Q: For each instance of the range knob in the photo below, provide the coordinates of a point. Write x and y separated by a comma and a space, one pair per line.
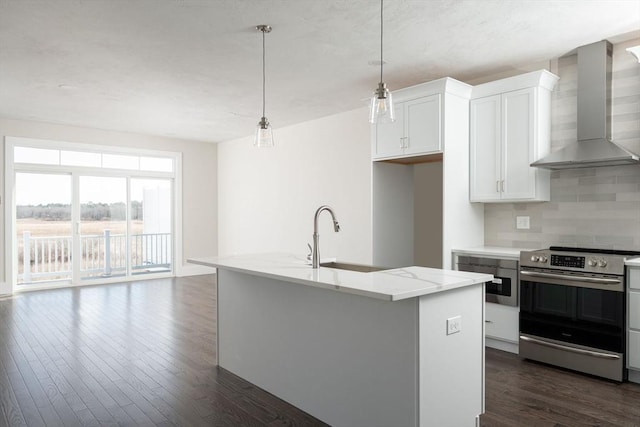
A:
602, 263
535, 258
543, 259
593, 262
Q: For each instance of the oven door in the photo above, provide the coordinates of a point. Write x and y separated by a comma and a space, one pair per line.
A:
587, 311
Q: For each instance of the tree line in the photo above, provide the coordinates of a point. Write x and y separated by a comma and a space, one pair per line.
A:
88, 211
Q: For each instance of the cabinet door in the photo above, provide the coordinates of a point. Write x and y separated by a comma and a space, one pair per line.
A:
423, 125
484, 159
518, 133
634, 310
634, 350
502, 322
634, 278
388, 141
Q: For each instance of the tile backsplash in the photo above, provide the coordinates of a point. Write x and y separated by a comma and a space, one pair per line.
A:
590, 207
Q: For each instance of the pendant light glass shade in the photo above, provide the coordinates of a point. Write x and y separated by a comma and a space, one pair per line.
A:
264, 132
381, 108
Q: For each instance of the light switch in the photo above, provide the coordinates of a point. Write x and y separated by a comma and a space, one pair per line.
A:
522, 222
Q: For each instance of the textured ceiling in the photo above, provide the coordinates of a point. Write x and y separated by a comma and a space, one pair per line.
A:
192, 69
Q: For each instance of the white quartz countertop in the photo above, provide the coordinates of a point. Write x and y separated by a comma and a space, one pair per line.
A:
633, 262
392, 285
492, 251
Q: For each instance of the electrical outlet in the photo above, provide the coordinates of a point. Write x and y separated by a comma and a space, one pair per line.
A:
522, 222
454, 325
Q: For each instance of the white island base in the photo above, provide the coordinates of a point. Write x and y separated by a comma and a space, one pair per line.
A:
355, 360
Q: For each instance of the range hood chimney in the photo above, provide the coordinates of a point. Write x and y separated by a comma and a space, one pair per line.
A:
594, 146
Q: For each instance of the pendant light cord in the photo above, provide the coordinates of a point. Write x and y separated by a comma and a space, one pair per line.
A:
381, 34
263, 74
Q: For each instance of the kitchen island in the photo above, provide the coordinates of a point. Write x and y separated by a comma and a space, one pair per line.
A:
399, 347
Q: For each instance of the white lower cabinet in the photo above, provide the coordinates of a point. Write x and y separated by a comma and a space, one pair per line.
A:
633, 316
634, 312
634, 349
502, 326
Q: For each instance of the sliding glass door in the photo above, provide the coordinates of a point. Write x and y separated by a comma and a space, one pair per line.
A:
43, 231
82, 213
102, 231
83, 227
151, 219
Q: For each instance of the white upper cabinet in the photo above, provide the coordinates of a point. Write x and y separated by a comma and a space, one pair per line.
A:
418, 129
388, 138
422, 125
510, 127
486, 162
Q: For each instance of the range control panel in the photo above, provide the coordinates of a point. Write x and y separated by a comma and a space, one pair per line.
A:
595, 263
568, 261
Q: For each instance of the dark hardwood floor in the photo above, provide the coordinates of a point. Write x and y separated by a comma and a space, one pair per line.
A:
128, 354
143, 353
524, 393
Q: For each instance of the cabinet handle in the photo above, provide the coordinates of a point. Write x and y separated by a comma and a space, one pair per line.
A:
497, 186
502, 185
406, 139
402, 142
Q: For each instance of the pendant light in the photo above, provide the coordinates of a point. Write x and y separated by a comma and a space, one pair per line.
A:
264, 132
381, 109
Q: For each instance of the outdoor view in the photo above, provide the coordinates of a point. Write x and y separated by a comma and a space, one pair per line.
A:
104, 249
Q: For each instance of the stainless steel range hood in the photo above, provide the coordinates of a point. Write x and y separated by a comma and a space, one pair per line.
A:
594, 146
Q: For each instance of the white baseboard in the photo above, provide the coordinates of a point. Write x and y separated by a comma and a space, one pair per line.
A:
5, 289
502, 345
194, 270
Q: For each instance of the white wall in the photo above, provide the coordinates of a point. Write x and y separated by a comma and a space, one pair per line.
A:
268, 197
199, 180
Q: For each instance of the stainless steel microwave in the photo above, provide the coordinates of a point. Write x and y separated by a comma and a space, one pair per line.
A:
503, 289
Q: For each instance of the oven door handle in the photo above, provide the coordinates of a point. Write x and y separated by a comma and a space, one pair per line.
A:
571, 278
570, 349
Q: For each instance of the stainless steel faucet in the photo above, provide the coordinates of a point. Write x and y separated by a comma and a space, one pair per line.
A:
315, 254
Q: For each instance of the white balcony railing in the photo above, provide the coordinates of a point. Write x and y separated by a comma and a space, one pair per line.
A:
50, 257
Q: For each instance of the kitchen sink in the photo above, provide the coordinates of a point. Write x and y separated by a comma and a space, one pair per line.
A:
362, 268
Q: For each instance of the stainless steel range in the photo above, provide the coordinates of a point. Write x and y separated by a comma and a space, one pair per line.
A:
572, 309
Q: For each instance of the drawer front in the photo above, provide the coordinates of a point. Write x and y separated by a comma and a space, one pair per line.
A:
502, 322
634, 350
634, 278
634, 310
